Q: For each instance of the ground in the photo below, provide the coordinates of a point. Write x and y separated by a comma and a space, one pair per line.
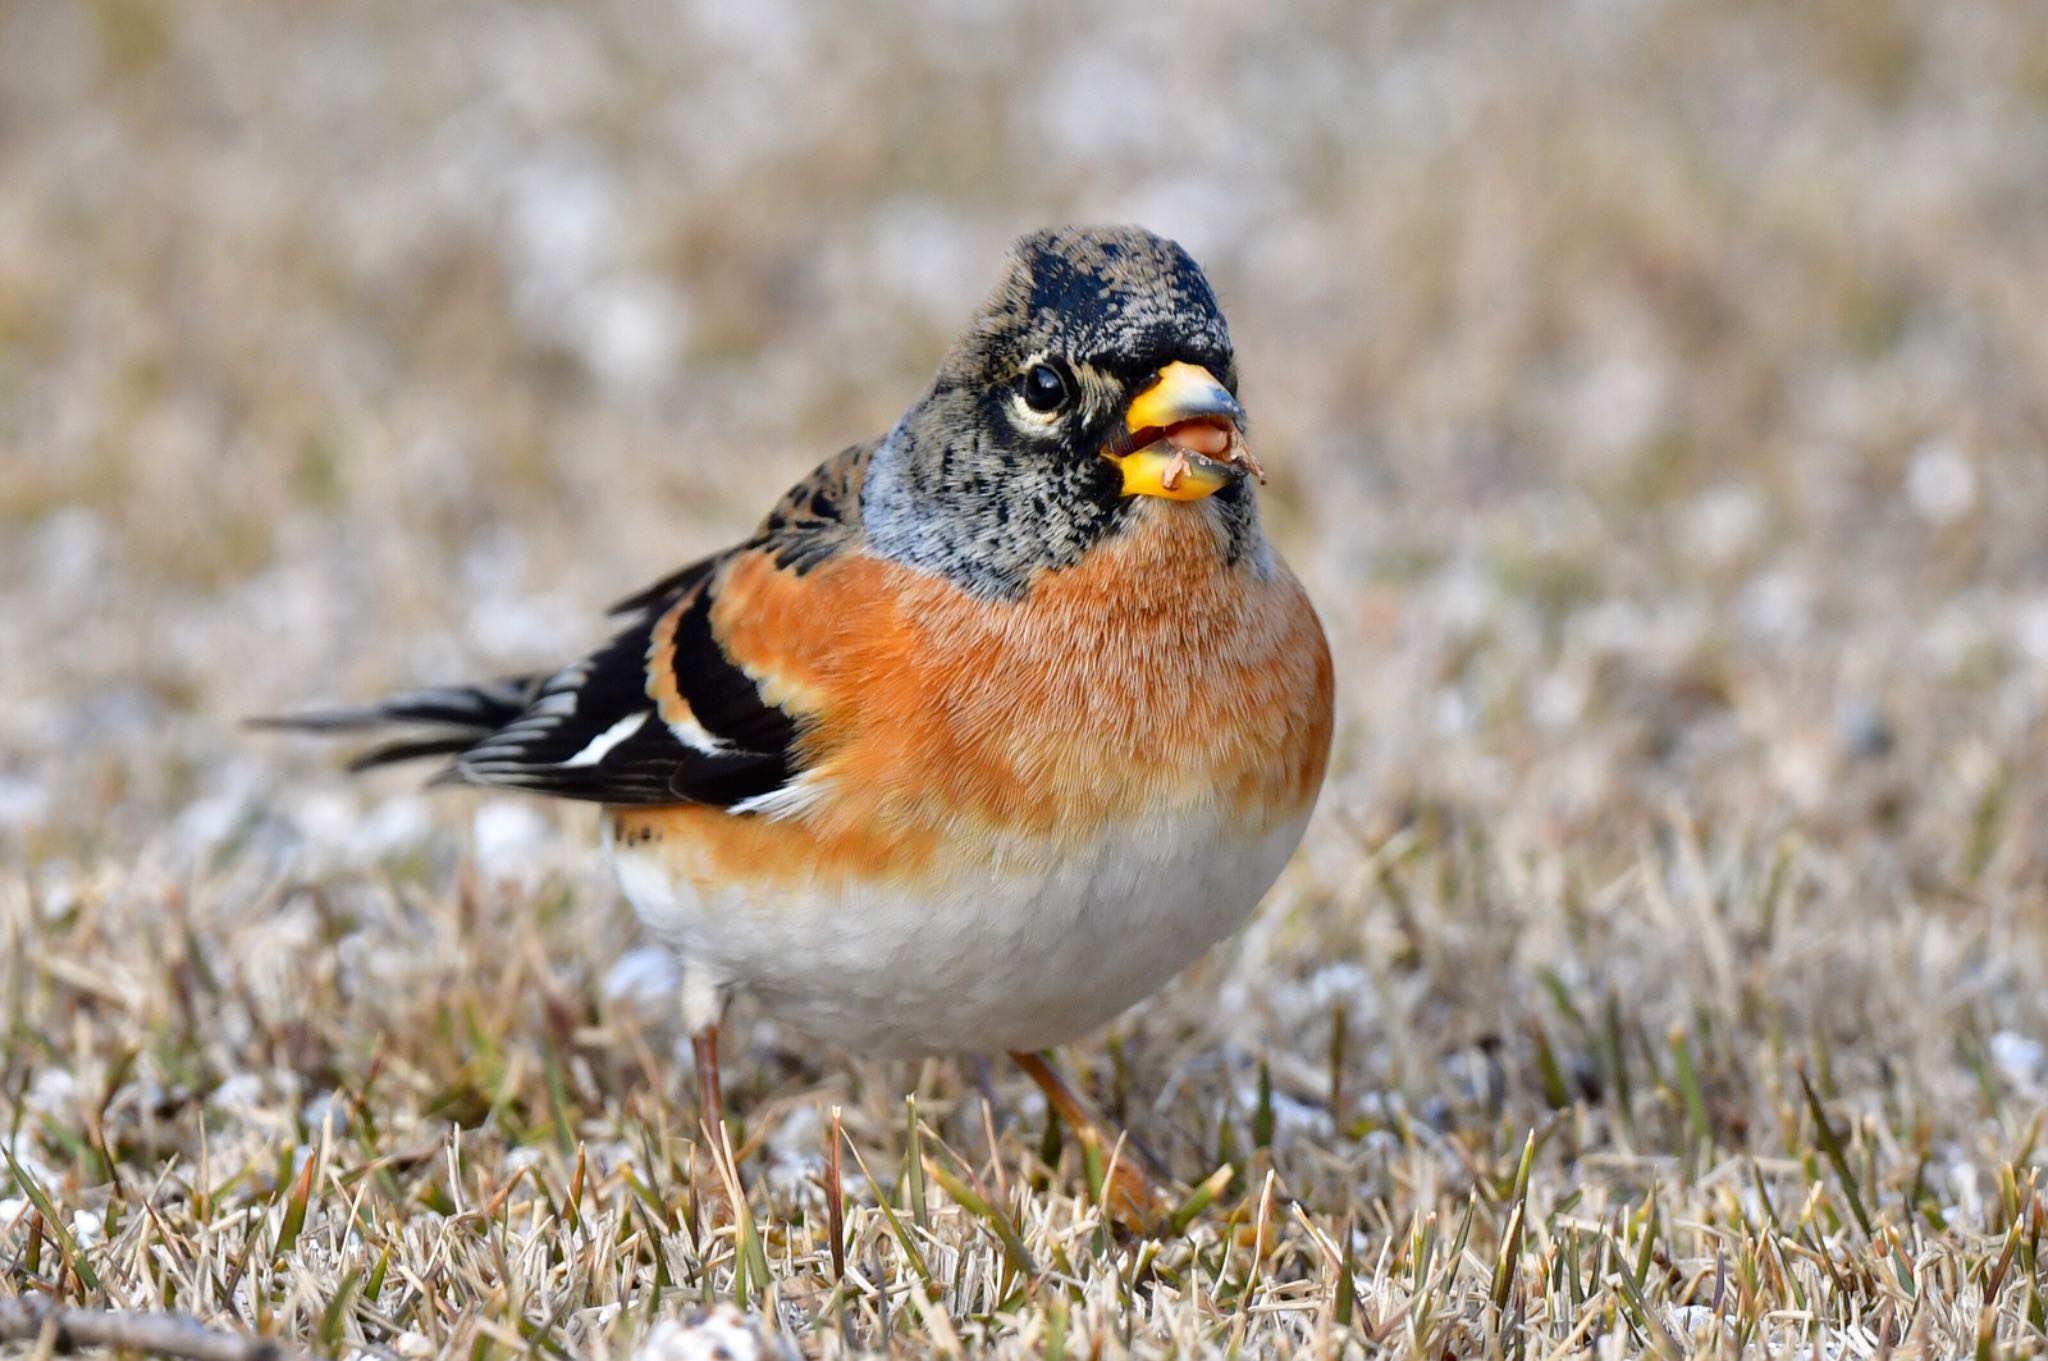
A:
1656, 402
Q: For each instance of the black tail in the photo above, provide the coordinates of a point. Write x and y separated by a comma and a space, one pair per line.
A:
448, 720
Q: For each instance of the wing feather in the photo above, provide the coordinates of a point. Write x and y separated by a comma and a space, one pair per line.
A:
660, 714
600, 729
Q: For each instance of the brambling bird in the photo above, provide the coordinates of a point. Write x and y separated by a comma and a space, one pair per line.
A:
992, 727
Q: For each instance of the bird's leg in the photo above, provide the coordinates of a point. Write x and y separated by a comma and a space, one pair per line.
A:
985, 1080
710, 1104
704, 999
1136, 1196
1065, 1101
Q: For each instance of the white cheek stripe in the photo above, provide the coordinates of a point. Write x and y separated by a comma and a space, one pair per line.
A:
601, 745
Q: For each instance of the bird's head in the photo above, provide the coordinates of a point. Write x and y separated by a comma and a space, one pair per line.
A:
1097, 376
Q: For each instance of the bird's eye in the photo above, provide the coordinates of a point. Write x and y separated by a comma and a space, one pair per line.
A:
1044, 388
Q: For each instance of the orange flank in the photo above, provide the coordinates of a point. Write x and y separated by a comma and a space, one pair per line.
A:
1152, 678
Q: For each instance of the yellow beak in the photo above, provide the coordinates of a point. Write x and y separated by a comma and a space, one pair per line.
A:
1154, 463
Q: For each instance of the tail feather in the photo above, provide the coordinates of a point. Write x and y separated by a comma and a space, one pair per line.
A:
396, 753
455, 717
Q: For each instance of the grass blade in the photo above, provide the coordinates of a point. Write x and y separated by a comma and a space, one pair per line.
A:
53, 1223
1832, 1146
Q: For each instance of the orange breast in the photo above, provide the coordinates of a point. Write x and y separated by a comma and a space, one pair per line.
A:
1150, 679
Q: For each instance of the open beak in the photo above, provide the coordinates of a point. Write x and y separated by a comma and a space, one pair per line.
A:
1181, 437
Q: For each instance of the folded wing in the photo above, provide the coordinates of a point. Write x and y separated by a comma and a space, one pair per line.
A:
661, 714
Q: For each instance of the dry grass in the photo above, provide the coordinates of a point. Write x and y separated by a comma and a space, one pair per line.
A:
1655, 400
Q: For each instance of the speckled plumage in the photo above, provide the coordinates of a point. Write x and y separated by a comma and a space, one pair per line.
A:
1113, 304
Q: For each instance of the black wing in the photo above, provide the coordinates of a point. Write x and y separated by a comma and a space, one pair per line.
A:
618, 728
633, 722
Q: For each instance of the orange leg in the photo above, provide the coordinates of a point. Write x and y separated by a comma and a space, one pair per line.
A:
1064, 1100
710, 1103
1137, 1196
712, 1197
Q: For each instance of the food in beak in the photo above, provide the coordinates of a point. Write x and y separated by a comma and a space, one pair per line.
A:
1200, 436
1214, 439
1182, 439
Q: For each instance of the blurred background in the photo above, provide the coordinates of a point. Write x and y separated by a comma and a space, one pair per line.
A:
1655, 397
1656, 394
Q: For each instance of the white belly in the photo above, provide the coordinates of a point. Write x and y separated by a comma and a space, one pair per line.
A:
1036, 952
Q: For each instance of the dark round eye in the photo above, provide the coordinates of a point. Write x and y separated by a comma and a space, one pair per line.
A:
1044, 387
